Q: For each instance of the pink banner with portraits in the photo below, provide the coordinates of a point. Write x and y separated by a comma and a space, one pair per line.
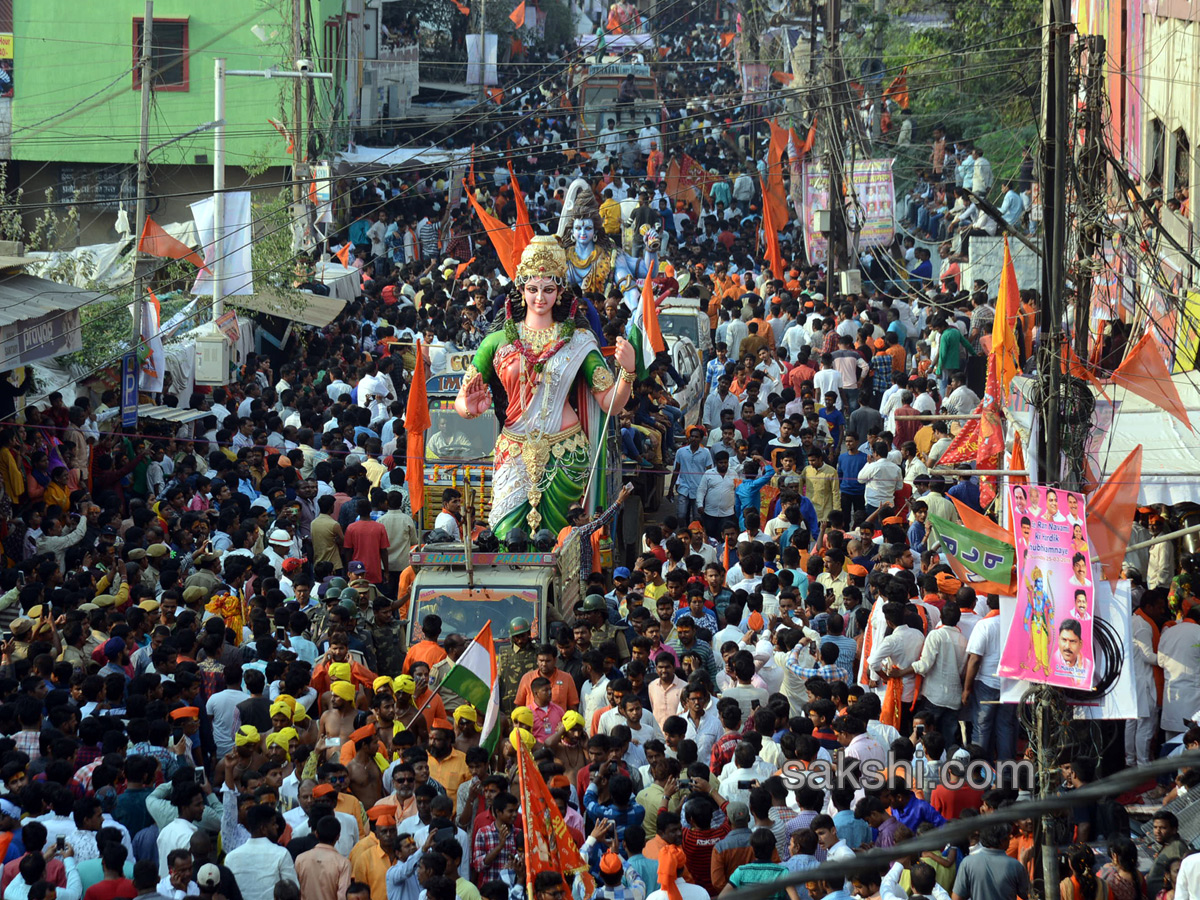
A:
1050, 639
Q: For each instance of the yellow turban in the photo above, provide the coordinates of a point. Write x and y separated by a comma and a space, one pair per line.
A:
279, 739
521, 736
339, 671
288, 735
467, 711
381, 681
288, 699
279, 708
572, 719
523, 715
299, 714
247, 734
405, 683
343, 689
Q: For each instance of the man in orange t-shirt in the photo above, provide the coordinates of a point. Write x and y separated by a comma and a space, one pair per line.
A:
426, 650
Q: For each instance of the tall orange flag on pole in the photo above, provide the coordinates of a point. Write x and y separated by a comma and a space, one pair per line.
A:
524, 231
772, 235
773, 194
1004, 326
518, 15
416, 422
548, 844
499, 233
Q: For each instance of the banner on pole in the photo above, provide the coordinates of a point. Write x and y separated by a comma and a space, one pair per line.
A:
874, 210
1050, 637
983, 557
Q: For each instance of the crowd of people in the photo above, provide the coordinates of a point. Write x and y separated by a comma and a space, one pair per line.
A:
205, 688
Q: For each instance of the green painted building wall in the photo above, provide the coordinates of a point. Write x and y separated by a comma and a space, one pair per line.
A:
76, 100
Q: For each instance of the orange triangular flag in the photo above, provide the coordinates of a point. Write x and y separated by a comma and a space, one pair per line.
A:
1110, 514
523, 233
517, 16
462, 267
898, 89
343, 255
416, 422
465, 10
783, 77
727, 38
496, 95
1072, 365
772, 235
499, 233
1145, 373
156, 242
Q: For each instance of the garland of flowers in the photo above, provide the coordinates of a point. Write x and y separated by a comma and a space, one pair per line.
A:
229, 608
537, 362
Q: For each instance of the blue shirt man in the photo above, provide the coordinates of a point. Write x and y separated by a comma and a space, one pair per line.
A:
849, 464
691, 462
748, 494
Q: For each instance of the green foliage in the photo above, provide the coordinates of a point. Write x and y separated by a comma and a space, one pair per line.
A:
559, 27
978, 76
51, 230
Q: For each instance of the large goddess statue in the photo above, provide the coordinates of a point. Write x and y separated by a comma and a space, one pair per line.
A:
593, 263
546, 363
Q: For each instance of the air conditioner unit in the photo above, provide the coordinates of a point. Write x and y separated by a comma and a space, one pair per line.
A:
212, 359
850, 281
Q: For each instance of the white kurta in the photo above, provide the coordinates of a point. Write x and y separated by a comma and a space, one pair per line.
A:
1179, 656
1144, 661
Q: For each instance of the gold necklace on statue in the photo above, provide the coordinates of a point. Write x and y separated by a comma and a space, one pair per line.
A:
538, 339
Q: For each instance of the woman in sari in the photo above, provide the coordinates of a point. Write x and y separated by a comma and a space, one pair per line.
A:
545, 371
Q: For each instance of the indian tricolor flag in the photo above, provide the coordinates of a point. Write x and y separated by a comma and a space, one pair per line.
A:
645, 335
475, 678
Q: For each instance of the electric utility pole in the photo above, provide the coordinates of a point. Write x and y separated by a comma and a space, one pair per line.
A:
1056, 124
835, 144
146, 74
1092, 188
297, 114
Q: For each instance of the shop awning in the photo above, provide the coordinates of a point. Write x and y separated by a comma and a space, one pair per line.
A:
171, 413
38, 318
303, 307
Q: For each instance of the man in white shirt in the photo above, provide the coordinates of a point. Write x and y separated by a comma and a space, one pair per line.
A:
222, 709
898, 650
720, 399
943, 657
961, 400
260, 863
828, 380
715, 499
447, 519
188, 799
881, 476
648, 136
995, 723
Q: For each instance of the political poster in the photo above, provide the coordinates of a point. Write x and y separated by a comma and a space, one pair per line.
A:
1050, 634
870, 205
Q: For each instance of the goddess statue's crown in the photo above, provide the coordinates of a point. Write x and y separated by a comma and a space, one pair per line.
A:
543, 257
